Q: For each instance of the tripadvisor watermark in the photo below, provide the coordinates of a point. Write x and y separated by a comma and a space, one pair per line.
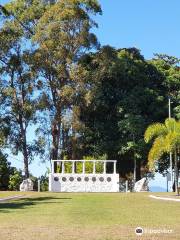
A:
141, 231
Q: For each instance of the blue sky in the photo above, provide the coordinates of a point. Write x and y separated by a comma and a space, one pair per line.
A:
152, 26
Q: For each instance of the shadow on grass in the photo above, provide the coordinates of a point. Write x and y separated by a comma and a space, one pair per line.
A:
23, 203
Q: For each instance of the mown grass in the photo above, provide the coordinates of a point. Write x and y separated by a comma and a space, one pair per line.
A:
87, 216
5, 194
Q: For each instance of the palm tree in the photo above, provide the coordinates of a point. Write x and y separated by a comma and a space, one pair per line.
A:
166, 140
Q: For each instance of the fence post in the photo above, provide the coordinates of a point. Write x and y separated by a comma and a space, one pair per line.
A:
126, 185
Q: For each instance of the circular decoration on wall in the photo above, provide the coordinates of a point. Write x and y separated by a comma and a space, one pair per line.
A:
86, 179
64, 179
56, 179
109, 179
101, 179
79, 179
93, 179
71, 179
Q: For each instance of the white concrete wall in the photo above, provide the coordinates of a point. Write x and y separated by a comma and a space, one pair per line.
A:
59, 182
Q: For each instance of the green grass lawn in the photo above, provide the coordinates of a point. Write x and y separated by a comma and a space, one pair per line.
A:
9, 194
101, 216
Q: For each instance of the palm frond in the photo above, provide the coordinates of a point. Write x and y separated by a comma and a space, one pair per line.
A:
166, 139
171, 124
155, 130
172, 141
156, 152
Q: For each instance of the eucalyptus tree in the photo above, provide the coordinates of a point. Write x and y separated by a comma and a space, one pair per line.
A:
17, 86
166, 139
59, 32
62, 34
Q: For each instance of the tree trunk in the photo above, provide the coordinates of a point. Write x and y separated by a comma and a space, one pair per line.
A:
176, 172
138, 170
55, 142
74, 147
25, 152
135, 167
62, 142
26, 165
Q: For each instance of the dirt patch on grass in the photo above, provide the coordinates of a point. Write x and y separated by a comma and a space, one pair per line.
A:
65, 233
79, 233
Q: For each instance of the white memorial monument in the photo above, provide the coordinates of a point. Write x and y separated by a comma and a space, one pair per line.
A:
26, 185
141, 185
83, 182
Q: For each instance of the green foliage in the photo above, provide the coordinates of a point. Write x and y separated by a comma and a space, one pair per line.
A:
35, 182
15, 180
99, 165
89, 165
125, 95
166, 139
80, 104
44, 182
5, 172
2, 138
79, 165
62, 34
154, 131
18, 78
68, 167
168, 66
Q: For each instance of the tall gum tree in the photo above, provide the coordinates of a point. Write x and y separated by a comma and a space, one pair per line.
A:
17, 85
63, 33
60, 32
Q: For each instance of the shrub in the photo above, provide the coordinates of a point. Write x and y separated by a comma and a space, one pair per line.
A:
44, 183
5, 172
15, 180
